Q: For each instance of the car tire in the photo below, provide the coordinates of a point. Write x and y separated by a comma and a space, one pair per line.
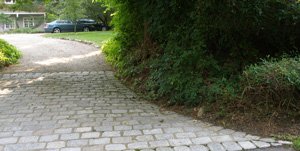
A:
56, 30
86, 29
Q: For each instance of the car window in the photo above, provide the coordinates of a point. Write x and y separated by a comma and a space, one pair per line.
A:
60, 21
86, 21
68, 22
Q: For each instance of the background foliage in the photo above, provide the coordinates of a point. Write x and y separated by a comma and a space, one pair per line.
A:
73, 10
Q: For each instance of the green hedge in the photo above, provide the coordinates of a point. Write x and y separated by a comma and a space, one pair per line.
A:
25, 30
8, 54
192, 52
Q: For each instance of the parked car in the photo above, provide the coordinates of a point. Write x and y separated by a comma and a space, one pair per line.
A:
85, 25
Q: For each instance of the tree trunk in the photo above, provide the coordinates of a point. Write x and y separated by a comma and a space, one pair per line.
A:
75, 28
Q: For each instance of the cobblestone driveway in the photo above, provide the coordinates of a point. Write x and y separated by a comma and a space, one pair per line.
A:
92, 111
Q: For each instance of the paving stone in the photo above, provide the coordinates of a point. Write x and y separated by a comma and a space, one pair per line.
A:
285, 142
201, 140
6, 134
261, 144
49, 138
161, 143
8, 140
122, 128
99, 141
71, 149
69, 136
153, 131
180, 142
232, 146
23, 133
268, 140
76, 143
54, 145
142, 127
215, 147
132, 133
43, 132
146, 150
164, 149
182, 148
63, 131
122, 140
103, 128
27, 146
276, 144
226, 131
93, 148
138, 145
90, 135
83, 129
145, 138
252, 137
240, 139
185, 135
173, 130
198, 148
28, 139
239, 134
223, 138
115, 147
247, 145
111, 134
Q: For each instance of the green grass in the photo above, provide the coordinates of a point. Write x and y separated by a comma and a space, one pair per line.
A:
297, 144
98, 37
291, 138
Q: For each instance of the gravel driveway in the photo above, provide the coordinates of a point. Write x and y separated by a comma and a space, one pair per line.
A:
42, 54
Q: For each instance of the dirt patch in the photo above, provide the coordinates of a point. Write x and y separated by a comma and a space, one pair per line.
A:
247, 122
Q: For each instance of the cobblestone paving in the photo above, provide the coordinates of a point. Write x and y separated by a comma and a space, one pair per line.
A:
92, 111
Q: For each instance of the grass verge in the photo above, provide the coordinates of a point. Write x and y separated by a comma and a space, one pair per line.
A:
297, 144
97, 37
291, 138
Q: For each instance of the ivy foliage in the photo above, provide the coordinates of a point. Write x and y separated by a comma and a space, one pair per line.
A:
192, 52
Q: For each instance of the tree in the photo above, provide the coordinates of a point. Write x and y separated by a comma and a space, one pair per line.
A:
97, 11
4, 19
28, 5
72, 11
53, 9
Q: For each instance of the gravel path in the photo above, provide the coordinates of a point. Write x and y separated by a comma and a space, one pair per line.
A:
62, 97
53, 55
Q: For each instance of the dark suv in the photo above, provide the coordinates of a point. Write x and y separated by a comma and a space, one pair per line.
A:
86, 25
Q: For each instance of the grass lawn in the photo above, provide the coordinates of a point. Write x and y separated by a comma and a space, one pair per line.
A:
97, 37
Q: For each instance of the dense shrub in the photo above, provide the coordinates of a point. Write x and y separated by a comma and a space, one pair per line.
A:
273, 85
191, 52
8, 54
